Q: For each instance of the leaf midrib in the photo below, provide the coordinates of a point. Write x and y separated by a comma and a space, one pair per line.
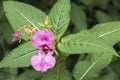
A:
16, 58
59, 15
27, 19
25, 54
90, 67
108, 33
89, 44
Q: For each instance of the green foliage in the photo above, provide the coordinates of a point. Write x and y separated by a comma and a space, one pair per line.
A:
84, 43
94, 45
86, 2
102, 17
110, 32
20, 14
3, 74
19, 57
90, 67
78, 17
29, 75
7, 34
111, 75
114, 13
8, 74
91, 3
58, 73
59, 17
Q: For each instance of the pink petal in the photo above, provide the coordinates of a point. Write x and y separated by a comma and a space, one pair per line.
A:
42, 63
50, 61
35, 62
43, 37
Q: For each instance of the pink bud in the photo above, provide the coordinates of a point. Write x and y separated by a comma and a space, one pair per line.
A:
17, 36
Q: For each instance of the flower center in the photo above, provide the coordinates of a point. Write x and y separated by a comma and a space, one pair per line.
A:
46, 49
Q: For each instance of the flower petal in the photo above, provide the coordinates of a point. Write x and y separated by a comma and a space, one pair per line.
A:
42, 37
35, 62
42, 63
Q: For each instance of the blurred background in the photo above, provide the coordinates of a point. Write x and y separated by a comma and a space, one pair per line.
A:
84, 15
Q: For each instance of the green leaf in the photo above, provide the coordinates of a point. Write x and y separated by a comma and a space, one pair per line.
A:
107, 74
4, 74
20, 14
110, 32
102, 17
59, 17
111, 75
113, 13
90, 67
87, 2
19, 57
6, 31
1, 11
58, 73
78, 17
29, 75
84, 43
101, 3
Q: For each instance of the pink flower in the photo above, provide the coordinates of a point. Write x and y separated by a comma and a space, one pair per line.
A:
17, 36
43, 38
42, 63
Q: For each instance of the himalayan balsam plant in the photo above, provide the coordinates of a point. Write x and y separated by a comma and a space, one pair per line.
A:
45, 48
